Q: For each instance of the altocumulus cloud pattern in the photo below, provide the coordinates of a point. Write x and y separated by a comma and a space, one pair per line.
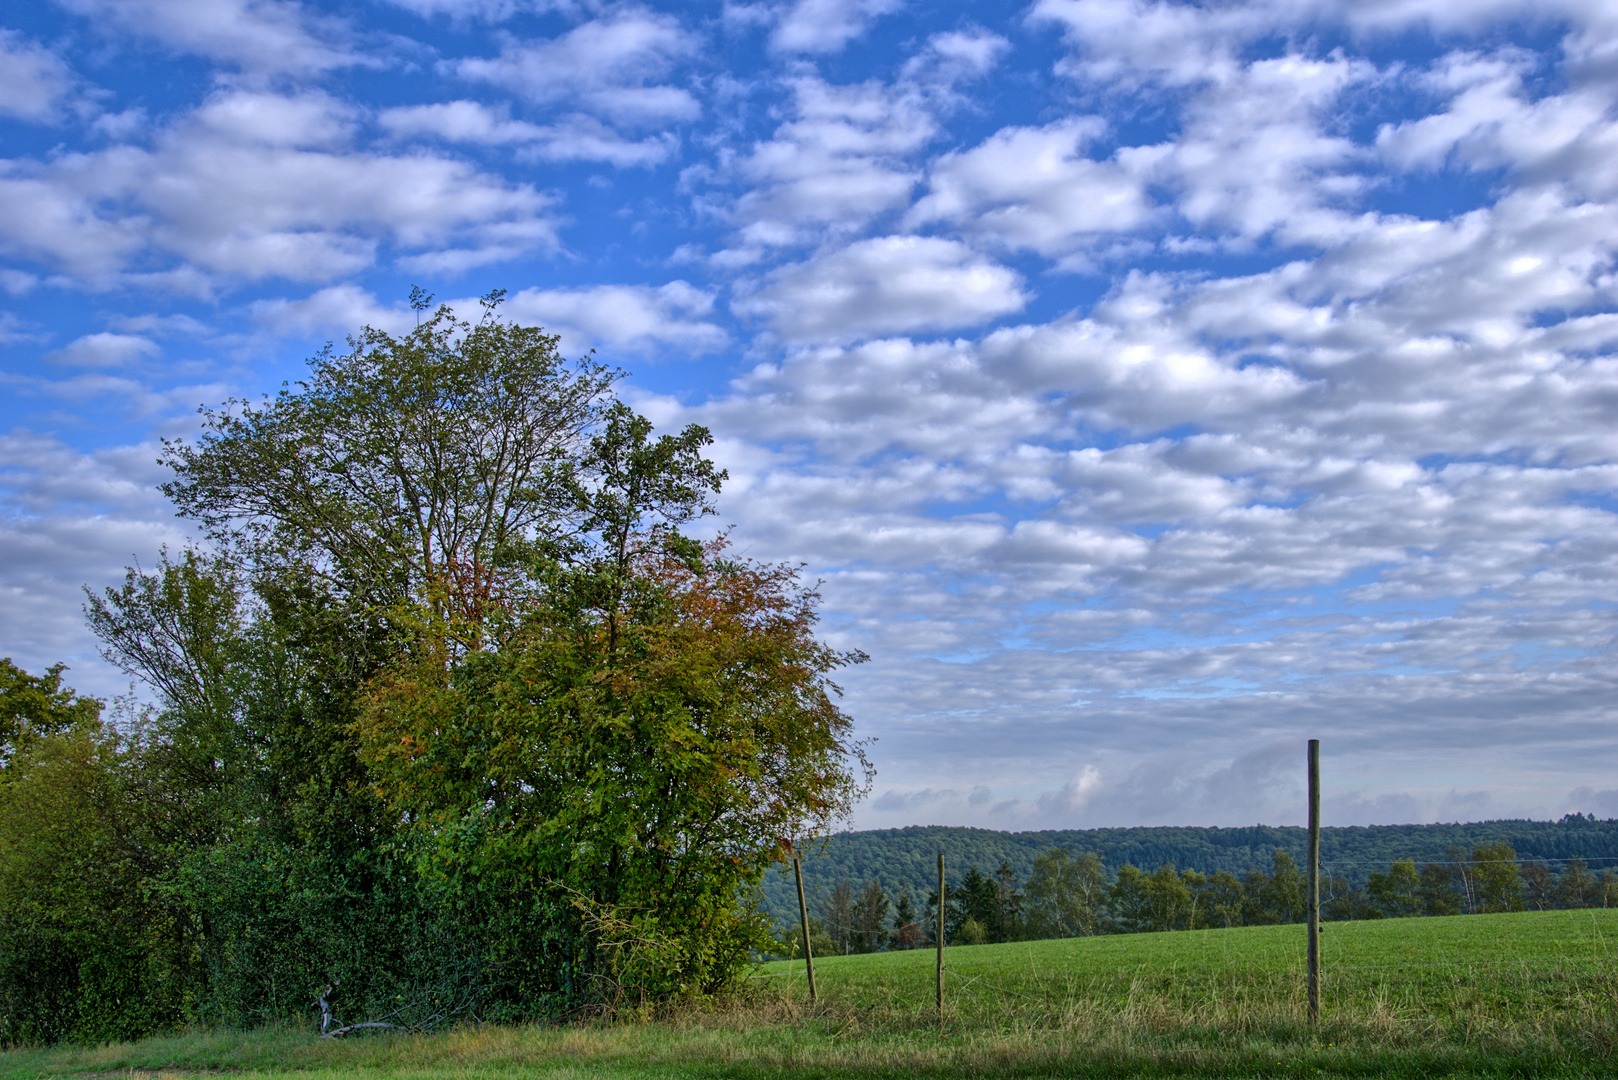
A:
1152, 385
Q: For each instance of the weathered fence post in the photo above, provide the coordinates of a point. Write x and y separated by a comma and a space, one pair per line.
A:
940, 986
803, 920
1314, 881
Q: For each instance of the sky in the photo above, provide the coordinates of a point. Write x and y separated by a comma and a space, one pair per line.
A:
1150, 386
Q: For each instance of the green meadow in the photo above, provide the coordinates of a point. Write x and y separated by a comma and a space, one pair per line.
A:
1528, 994
1417, 975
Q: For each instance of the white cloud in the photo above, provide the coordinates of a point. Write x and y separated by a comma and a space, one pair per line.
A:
1033, 188
175, 325
257, 36
626, 318
1443, 16
459, 121
1256, 156
846, 155
956, 56
633, 318
33, 80
1587, 800
1260, 785
41, 218
837, 164
69, 519
338, 309
1490, 123
886, 285
256, 185
824, 26
307, 120
575, 138
120, 126
487, 10
1143, 483
1261, 149
17, 282
104, 350
13, 329
583, 138
1122, 41
1303, 470
605, 66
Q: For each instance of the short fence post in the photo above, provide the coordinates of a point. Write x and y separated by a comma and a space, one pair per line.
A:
940, 986
1314, 881
803, 920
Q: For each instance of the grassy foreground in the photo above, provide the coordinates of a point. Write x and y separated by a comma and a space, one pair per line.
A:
1532, 994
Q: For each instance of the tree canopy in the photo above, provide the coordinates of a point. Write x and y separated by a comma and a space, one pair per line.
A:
453, 718
439, 459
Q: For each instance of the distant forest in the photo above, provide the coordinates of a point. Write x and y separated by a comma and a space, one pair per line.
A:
905, 861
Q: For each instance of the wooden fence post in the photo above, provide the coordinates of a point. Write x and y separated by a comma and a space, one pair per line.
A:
940, 984
1314, 881
803, 920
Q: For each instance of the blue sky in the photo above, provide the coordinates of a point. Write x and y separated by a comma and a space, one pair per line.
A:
1153, 386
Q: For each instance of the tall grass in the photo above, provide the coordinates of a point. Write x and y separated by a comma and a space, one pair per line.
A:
1471, 996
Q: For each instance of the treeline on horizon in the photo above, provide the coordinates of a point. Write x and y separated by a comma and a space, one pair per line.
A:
1068, 895
903, 862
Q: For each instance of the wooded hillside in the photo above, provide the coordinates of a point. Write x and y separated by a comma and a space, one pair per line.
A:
901, 859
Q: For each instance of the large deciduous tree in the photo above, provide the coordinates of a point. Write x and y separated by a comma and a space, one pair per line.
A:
1499, 882
644, 766
450, 672
1065, 895
1397, 893
408, 468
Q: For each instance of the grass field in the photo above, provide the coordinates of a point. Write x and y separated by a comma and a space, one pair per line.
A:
1406, 975
1532, 994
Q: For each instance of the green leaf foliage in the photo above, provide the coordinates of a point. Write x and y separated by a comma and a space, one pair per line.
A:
444, 457
644, 770
37, 706
452, 719
89, 949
